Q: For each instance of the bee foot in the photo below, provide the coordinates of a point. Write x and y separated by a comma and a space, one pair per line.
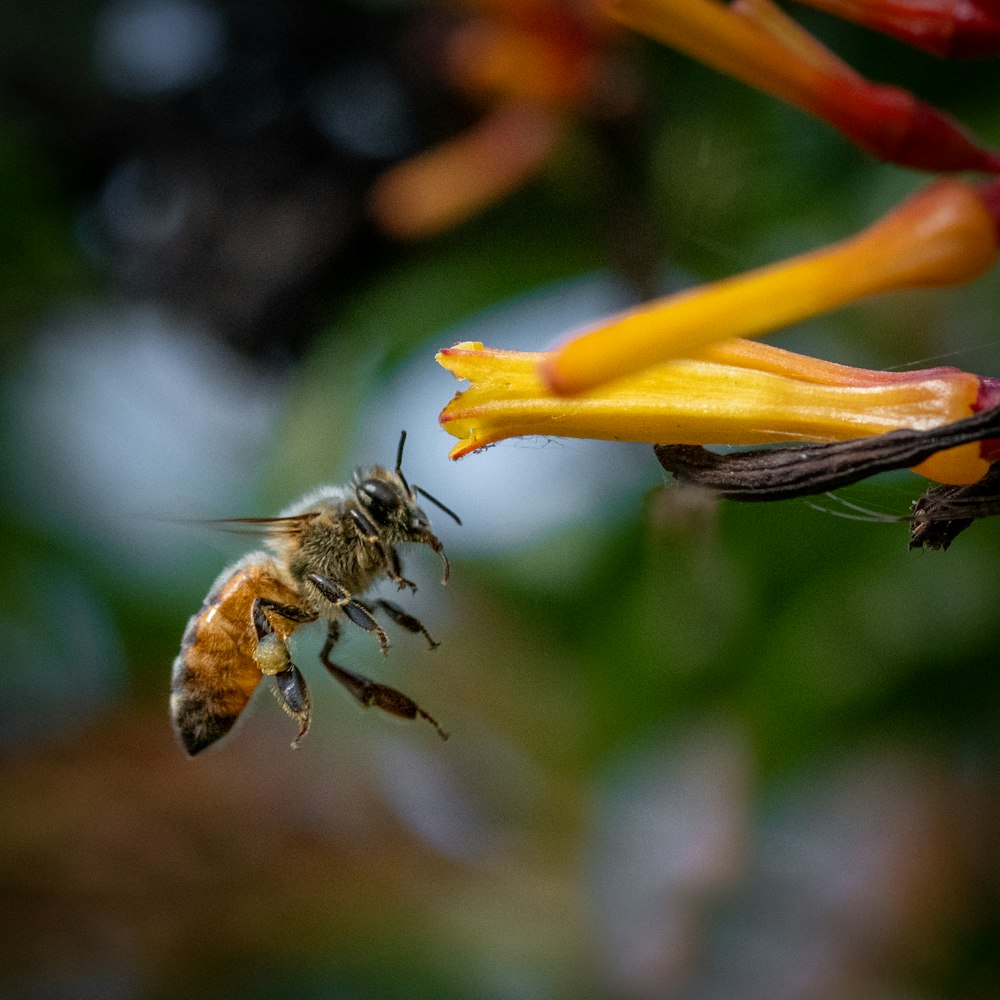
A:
297, 742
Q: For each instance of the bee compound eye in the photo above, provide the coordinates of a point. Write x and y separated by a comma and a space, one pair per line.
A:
379, 498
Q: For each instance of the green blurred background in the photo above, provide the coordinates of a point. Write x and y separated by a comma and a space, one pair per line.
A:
698, 751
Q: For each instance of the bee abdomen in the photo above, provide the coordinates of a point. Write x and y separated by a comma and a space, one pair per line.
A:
212, 680
201, 713
215, 673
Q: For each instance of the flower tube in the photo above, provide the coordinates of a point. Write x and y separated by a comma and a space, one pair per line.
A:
754, 41
945, 234
546, 53
739, 393
949, 28
453, 181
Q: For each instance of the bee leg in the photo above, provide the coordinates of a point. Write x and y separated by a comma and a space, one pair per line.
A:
293, 696
271, 655
271, 652
407, 621
435, 543
355, 610
393, 567
370, 693
332, 638
394, 570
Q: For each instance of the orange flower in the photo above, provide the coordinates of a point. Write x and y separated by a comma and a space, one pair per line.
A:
547, 52
754, 41
944, 27
531, 64
452, 182
945, 234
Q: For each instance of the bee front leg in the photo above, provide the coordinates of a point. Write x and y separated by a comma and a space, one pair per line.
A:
393, 567
271, 655
370, 693
394, 570
355, 610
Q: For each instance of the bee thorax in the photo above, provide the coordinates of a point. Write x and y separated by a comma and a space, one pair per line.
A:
341, 556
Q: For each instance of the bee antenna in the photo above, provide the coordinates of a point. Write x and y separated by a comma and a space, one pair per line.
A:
399, 449
417, 489
399, 462
437, 503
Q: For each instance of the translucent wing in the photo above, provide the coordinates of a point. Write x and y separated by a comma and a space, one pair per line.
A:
256, 526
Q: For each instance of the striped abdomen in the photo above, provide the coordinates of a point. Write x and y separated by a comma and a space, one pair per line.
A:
215, 673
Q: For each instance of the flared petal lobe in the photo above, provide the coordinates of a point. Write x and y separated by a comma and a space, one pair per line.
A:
739, 393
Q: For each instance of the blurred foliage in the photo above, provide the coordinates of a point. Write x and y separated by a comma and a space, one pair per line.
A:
699, 749
37, 254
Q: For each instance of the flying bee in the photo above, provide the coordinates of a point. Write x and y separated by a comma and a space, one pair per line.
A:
324, 552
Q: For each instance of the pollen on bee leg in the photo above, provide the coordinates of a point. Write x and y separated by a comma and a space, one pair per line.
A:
271, 654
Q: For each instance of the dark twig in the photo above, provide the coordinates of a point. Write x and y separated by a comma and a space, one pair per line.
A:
804, 470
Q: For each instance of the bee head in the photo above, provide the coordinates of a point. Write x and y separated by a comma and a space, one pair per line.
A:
391, 503
387, 501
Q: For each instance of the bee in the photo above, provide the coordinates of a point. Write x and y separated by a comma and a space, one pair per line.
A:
324, 552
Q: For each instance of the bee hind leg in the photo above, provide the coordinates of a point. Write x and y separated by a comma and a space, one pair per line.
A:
370, 693
271, 655
293, 695
271, 651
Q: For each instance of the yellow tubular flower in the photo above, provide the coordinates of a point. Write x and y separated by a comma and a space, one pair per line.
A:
945, 234
738, 393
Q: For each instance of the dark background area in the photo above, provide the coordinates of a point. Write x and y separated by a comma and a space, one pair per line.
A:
698, 750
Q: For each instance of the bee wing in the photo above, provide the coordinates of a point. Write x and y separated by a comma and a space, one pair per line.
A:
257, 526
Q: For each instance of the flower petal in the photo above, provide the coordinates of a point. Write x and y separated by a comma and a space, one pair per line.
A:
946, 233
776, 397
